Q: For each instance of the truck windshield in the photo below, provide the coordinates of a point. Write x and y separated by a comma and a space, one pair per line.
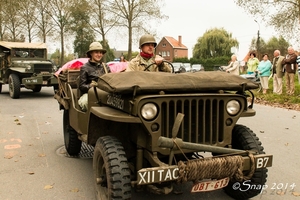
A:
28, 53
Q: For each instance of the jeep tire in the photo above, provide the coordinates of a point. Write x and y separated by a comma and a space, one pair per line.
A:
243, 138
111, 170
0, 87
14, 86
72, 143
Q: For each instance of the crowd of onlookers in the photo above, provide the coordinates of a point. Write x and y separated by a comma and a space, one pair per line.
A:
281, 67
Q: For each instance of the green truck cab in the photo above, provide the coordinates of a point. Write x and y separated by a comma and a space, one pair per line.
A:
154, 131
25, 65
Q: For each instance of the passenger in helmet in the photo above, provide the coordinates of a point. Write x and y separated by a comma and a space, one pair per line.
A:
90, 72
146, 57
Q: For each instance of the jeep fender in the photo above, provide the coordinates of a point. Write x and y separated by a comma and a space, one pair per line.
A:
111, 114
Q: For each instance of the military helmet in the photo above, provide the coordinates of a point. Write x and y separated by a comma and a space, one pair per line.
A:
147, 39
95, 46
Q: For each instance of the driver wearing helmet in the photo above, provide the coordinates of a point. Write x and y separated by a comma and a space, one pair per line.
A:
146, 57
90, 72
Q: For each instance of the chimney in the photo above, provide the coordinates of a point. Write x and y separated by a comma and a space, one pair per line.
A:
179, 40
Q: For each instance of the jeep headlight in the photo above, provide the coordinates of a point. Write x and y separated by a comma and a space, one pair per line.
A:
233, 107
149, 111
28, 67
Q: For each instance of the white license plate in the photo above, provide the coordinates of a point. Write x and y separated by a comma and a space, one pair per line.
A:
210, 185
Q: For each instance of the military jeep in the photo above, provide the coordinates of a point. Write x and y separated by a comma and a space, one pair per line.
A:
154, 131
25, 65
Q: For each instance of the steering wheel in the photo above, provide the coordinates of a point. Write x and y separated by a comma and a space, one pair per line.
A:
173, 71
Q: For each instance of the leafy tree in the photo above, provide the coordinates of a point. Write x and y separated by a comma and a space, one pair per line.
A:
270, 46
109, 55
84, 35
136, 16
214, 43
282, 15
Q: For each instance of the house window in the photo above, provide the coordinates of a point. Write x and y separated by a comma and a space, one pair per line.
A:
163, 53
168, 53
163, 45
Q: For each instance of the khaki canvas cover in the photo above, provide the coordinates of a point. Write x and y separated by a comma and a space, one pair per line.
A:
10, 45
148, 82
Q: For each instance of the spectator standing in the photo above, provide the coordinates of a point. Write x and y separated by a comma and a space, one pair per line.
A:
277, 72
122, 59
233, 66
146, 57
252, 63
298, 65
264, 71
290, 70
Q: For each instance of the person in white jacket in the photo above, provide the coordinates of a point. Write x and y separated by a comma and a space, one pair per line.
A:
233, 67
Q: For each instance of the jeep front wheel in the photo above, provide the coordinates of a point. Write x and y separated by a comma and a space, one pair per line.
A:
243, 138
0, 87
14, 86
111, 170
72, 143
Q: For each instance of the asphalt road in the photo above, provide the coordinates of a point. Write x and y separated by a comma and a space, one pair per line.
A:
33, 164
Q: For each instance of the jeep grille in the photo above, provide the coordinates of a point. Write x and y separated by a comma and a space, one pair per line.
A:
203, 121
38, 68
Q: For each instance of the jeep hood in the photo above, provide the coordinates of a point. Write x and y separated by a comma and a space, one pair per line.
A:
154, 82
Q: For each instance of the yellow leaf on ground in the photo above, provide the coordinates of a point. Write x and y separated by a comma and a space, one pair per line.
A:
47, 187
280, 193
75, 190
42, 155
297, 194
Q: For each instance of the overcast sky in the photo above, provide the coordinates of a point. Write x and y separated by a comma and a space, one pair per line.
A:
191, 18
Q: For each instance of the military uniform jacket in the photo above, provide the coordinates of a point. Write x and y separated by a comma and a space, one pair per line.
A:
140, 64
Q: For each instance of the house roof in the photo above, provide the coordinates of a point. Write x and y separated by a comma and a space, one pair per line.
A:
175, 43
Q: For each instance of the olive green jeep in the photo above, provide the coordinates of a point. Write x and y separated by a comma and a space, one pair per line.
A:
154, 131
25, 65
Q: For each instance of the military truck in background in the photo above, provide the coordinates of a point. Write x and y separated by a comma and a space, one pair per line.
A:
25, 65
154, 131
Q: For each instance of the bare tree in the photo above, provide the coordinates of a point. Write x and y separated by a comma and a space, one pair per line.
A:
283, 15
102, 20
43, 21
60, 12
2, 20
27, 13
14, 22
136, 16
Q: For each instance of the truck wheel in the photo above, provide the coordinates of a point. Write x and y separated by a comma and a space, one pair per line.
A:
0, 87
14, 86
72, 143
111, 170
37, 88
243, 138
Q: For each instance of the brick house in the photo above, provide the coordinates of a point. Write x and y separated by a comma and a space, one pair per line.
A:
170, 48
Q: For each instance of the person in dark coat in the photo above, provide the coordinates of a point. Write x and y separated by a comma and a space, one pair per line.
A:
91, 71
